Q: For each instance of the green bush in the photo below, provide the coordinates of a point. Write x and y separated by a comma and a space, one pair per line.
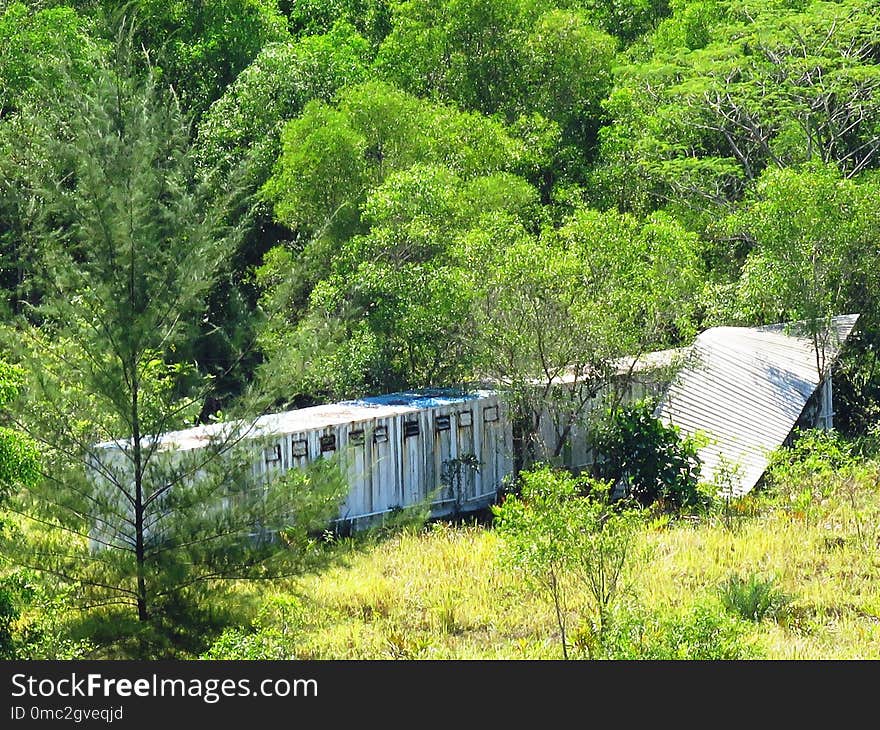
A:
564, 538
814, 455
752, 598
651, 461
273, 634
702, 633
35, 622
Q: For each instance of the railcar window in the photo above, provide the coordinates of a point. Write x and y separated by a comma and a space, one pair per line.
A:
328, 443
300, 447
410, 428
464, 418
273, 454
442, 423
356, 438
380, 434
490, 414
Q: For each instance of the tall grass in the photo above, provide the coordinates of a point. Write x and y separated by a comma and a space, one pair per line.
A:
439, 591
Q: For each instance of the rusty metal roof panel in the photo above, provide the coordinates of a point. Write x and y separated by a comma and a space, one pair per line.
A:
744, 389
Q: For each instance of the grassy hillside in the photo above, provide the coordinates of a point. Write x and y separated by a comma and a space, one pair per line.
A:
801, 553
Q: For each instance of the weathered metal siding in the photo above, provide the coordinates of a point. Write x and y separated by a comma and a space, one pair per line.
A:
352, 454
466, 445
744, 388
443, 450
411, 430
406, 457
369, 452
495, 450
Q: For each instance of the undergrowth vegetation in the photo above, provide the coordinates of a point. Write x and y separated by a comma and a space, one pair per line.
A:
789, 571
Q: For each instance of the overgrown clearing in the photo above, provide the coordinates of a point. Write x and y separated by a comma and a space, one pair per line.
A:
439, 592
789, 571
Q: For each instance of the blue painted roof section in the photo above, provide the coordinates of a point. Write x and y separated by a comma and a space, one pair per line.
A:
428, 398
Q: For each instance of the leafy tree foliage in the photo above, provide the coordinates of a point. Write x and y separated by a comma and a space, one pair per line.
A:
626, 20
556, 314
39, 47
35, 44
197, 53
732, 88
814, 243
332, 156
467, 51
379, 188
507, 58
400, 294
19, 467
372, 18
648, 460
274, 88
19, 460
565, 538
244, 127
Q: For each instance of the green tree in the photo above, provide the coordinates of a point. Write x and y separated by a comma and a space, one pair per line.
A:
399, 295
555, 315
19, 461
513, 60
626, 20
372, 18
813, 240
38, 48
333, 156
274, 88
568, 74
131, 239
377, 188
565, 537
466, 51
730, 88
34, 42
195, 48
244, 127
19, 467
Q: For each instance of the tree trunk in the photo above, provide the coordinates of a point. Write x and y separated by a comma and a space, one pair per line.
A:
142, 608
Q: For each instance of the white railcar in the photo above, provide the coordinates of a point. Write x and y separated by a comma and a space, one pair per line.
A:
447, 449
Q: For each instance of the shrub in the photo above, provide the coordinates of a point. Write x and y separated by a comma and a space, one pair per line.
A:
814, 456
273, 635
752, 598
701, 633
651, 461
563, 532
35, 621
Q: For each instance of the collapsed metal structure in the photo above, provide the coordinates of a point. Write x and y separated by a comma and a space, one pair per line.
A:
746, 389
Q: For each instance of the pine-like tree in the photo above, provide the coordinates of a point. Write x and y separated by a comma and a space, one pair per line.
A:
131, 236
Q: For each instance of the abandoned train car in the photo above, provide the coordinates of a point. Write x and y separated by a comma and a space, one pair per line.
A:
448, 449
454, 450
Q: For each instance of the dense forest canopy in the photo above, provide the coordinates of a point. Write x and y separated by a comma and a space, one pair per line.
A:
395, 149
208, 207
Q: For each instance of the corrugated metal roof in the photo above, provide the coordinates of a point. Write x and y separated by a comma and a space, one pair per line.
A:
744, 388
